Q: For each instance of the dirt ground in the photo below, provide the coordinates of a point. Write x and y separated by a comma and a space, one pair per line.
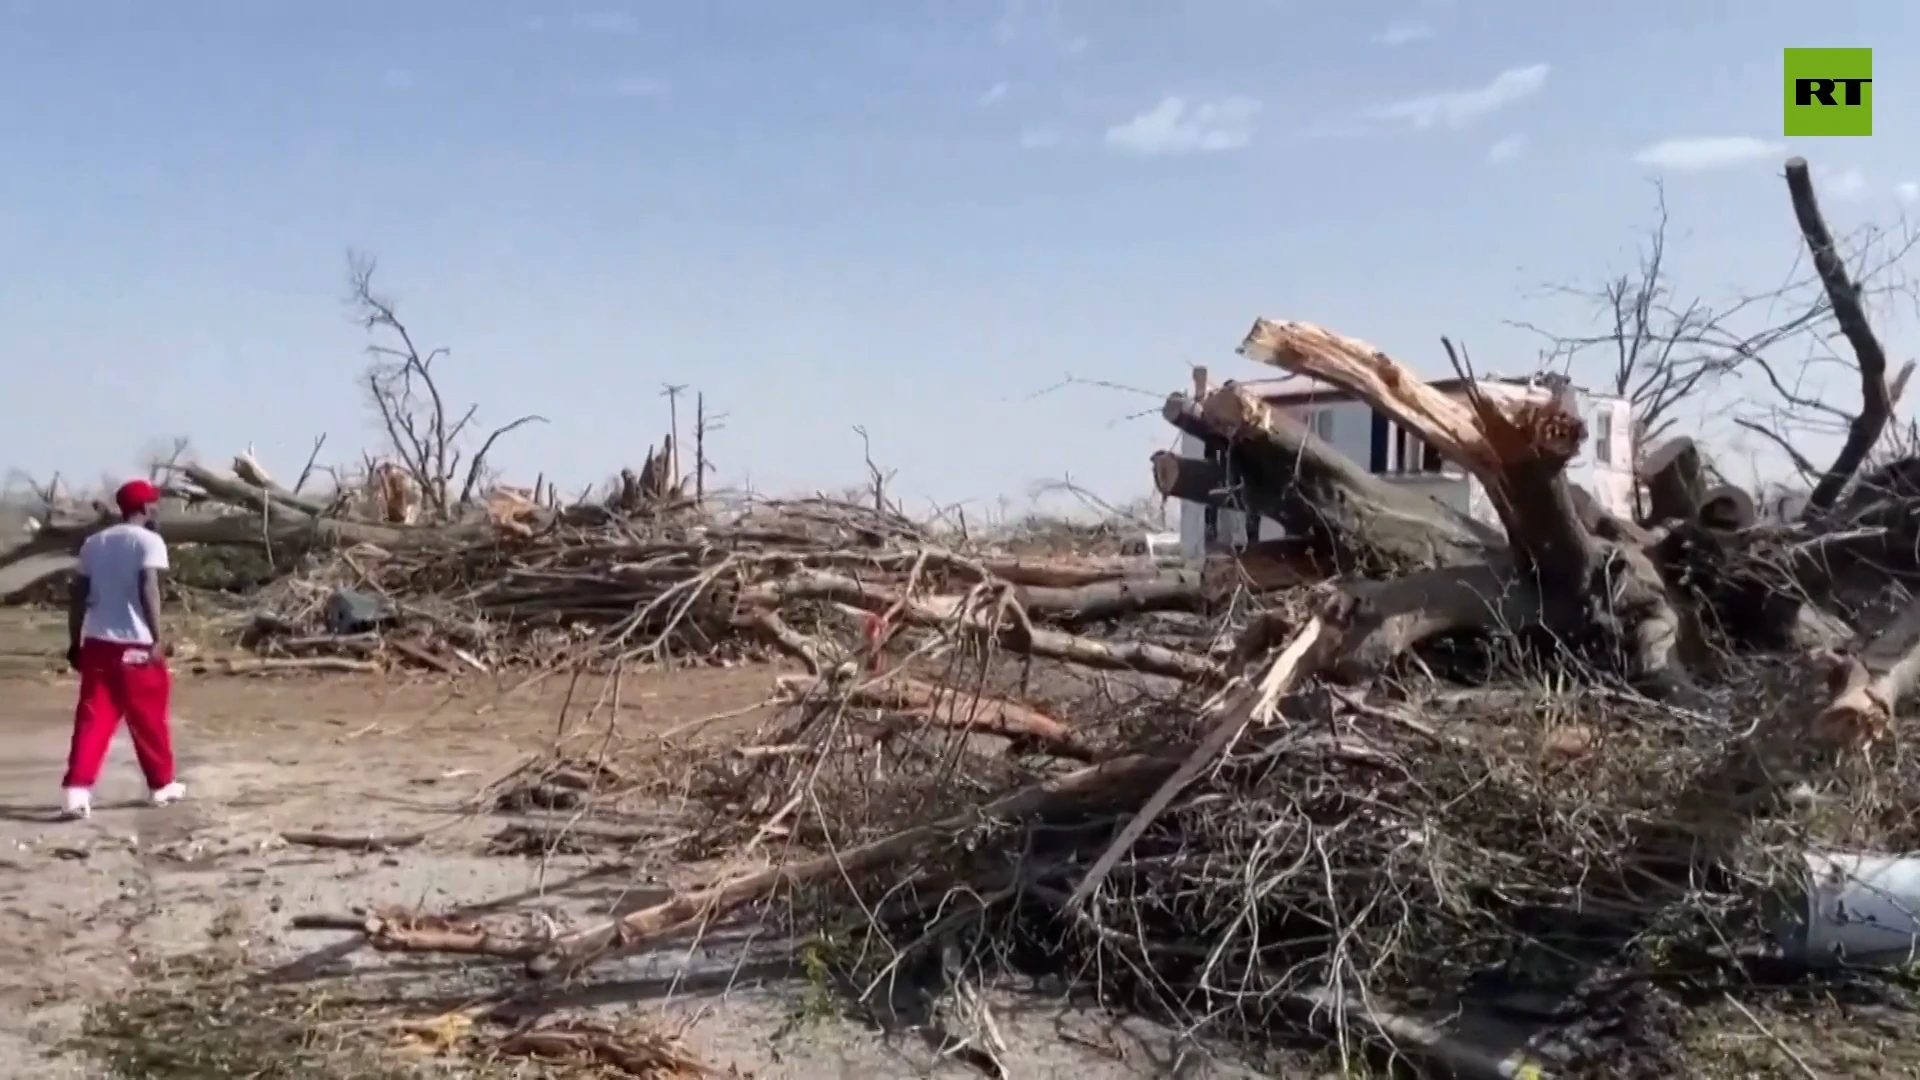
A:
83, 905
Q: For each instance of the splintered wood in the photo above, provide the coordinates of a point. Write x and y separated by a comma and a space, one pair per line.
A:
633, 1050
1443, 421
1517, 449
955, 710
1869, 687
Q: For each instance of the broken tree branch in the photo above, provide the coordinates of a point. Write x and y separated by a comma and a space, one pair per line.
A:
570, 952
961, 711
1876, 401
1350, 518
1869, 687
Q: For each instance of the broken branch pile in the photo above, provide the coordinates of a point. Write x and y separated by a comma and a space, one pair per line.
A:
1237, 854
585, 585
1314, 830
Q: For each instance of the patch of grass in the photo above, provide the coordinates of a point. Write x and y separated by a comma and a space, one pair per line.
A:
200, 1019
206, 1018
224, 569
818, 995
1832, 1039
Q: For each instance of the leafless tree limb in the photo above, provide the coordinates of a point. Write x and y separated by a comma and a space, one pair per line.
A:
1876, 404
313, 457
1664, 349
412, 410
1805, 468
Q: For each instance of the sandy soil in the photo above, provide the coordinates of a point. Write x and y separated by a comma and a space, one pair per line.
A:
80, 904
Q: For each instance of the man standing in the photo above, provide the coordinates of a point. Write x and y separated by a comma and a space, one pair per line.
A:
114, 642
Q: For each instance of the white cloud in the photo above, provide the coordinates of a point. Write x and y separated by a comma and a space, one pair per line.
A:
1506, 149
1703, 154
1846, 185
640, 86
1176, 126
1404, 30
994, 93
1908, 190
606, 22
1458, 108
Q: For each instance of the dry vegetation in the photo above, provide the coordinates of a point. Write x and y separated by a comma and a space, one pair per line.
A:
1403, 787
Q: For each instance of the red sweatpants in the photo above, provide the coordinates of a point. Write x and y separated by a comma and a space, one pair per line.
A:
119, 680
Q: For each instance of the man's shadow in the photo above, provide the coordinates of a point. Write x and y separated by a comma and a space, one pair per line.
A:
49, 814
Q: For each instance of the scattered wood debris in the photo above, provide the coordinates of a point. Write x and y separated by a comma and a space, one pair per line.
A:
1365, 770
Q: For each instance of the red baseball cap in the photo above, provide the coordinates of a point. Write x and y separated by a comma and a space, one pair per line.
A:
135, 496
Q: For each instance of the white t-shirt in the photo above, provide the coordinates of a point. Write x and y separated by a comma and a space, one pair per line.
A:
112, 560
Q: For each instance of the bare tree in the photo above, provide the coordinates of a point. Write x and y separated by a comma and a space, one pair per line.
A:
1663, 347
1797, 402
877, 478
161, 456
412, 409
704, 424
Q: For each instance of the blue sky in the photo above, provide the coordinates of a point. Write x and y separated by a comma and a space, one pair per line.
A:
911, 215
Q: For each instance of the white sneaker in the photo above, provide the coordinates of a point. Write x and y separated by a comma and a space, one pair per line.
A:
172, 793
76, 804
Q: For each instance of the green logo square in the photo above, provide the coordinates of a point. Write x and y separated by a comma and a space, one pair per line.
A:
1829, 92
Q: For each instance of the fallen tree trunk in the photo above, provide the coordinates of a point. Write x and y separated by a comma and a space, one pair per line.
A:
1352, 520
1677, 491
1869, 687
1064, 573
1395, 616
1676, 482
1604, 599
947, 708
1518, 451
1167, 590
278, 530
273, 665
1264, 566
1728, 508
1193, 480
260, 495
1061, 590
268, 522
1756, 588
1012, 631
1871, 548
23, 579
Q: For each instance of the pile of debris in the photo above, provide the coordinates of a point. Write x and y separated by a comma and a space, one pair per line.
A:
1509, 800
520, 584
